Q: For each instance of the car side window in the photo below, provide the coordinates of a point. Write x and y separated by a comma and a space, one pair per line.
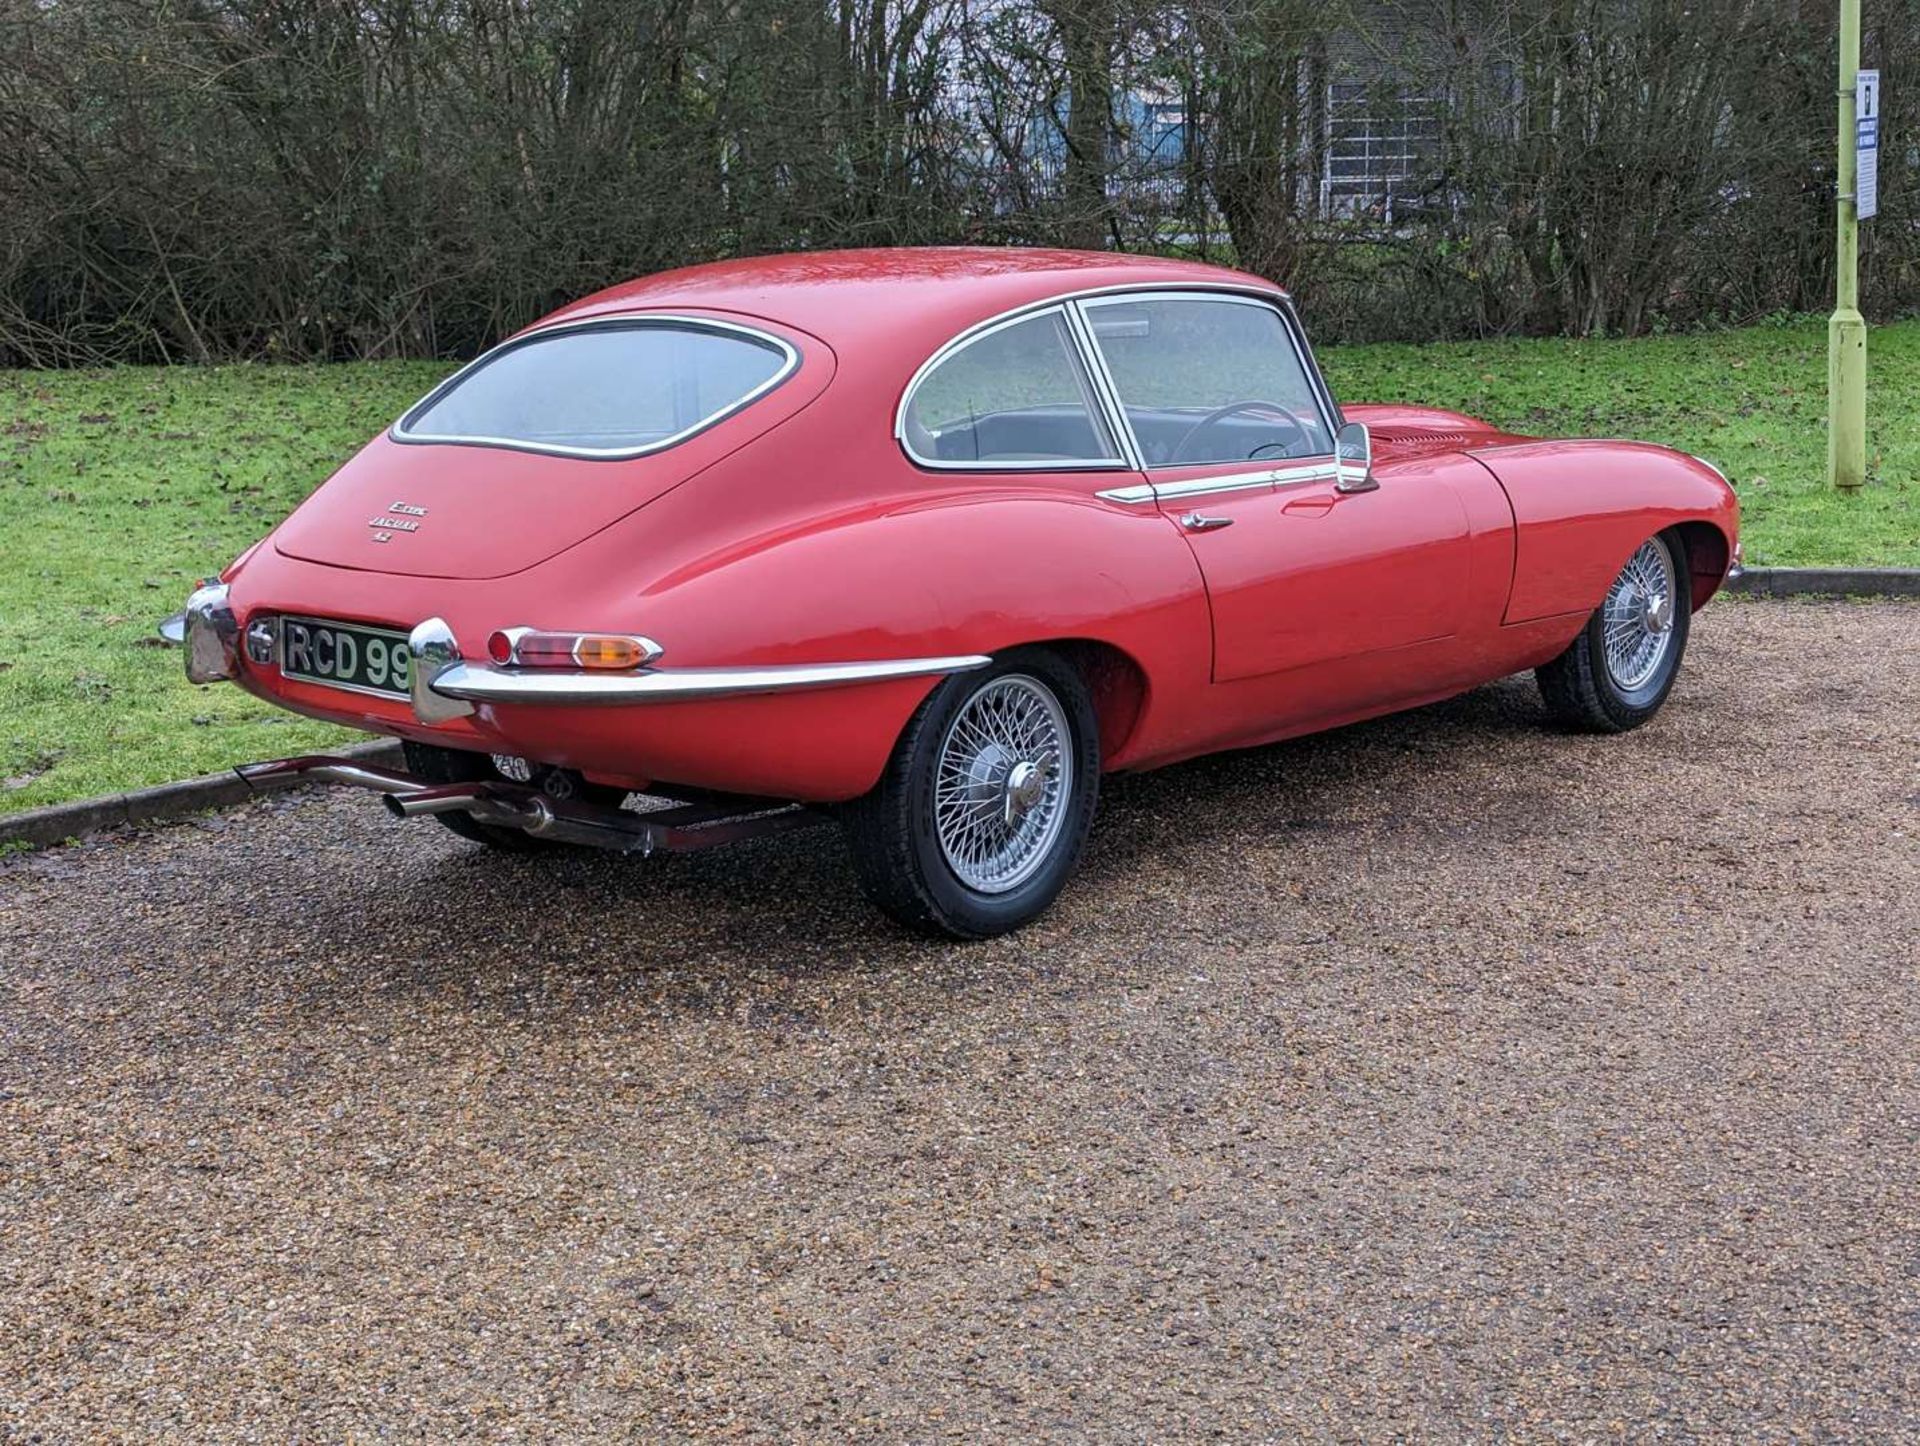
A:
1209, 379
1016, 396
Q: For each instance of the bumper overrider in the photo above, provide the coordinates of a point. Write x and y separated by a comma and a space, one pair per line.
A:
445, 686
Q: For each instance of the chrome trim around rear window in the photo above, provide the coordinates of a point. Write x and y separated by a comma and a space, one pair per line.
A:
1099, 410
478, 683
619, 321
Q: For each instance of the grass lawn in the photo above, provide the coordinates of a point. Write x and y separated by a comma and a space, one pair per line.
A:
117, 489
1752, 402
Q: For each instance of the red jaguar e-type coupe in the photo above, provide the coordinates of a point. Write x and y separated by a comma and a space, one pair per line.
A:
928, 540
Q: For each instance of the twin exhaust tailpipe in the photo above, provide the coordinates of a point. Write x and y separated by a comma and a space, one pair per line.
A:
504, 804
515, 806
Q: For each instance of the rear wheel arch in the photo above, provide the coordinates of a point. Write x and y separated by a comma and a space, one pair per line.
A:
1116, 683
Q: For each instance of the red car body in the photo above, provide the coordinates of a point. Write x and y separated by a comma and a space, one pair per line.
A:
799, 531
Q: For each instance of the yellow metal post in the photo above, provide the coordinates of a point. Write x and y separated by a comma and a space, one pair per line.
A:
1847, 332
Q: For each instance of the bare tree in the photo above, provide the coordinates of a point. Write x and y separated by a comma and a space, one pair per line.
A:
188, 180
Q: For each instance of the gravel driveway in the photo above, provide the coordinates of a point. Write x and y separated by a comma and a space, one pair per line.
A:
1444, 1077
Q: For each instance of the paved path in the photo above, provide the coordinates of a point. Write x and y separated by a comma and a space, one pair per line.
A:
1446, 1076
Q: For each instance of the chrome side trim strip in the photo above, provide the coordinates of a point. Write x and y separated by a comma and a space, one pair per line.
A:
1317, 472
1049, 464
1227, 482
480, 684
1206, 486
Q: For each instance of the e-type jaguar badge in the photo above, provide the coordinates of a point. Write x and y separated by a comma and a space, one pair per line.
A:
400, 517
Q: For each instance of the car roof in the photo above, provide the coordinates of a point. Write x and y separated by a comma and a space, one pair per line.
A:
846, 297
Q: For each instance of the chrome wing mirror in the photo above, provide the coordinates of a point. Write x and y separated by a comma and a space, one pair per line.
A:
1353, 456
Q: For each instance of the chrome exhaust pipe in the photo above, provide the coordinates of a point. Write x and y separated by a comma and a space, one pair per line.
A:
504, 804
419, 800
508, 806
601, 828
320, 768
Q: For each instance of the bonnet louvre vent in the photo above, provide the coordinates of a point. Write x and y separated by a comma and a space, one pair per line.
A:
1415, 437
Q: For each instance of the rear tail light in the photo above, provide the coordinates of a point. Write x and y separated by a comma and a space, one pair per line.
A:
609, 652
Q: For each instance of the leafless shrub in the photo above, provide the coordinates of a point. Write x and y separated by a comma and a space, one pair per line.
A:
204, 179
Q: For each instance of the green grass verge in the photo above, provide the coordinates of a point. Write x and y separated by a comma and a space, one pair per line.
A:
118, 488
1753, 402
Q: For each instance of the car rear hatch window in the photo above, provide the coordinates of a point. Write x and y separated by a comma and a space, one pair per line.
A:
479, 505
608, 389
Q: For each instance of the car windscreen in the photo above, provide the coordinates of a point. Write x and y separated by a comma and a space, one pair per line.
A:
613, 388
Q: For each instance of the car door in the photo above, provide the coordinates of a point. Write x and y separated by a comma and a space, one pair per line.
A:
1235, 433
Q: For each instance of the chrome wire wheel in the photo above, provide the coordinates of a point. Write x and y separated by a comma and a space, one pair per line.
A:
1002, 783
1637, 617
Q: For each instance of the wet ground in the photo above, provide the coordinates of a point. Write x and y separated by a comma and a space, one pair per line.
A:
1447, 1077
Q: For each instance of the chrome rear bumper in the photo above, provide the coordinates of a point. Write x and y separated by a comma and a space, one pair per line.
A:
678, 829
211, 633
446, 685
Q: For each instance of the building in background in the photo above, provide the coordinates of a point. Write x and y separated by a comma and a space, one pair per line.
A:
1372, 125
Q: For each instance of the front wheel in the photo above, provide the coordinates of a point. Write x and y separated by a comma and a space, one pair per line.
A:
985, 804
1618, 672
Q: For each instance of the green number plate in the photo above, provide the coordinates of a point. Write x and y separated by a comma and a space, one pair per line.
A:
342, 655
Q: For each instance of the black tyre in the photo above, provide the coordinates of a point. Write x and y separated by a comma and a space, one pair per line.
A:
1618, 672
455, 765
984, 808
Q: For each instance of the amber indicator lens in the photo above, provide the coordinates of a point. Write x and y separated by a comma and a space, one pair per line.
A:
613, 652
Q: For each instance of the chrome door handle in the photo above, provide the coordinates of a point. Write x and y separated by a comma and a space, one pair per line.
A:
1200, 522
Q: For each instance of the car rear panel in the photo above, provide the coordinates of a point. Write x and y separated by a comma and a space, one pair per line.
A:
453, 511
818, 746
